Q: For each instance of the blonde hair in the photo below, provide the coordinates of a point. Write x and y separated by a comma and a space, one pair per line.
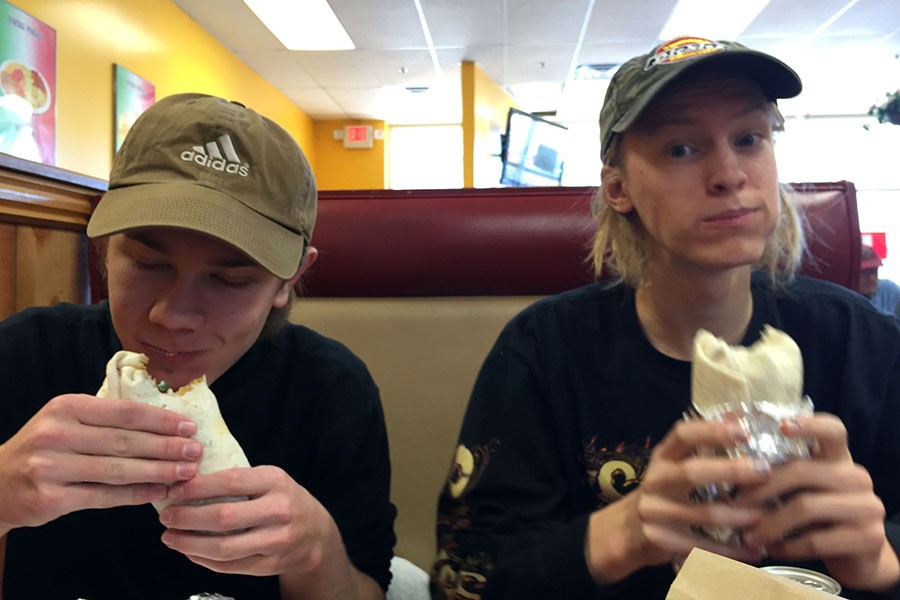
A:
620, 247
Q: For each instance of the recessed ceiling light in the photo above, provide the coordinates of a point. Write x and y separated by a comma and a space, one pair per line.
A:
302, 24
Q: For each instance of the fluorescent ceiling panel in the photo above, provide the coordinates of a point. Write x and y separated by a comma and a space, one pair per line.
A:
715, 19
302, 24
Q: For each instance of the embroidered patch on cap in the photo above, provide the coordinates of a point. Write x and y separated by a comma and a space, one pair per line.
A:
682, 48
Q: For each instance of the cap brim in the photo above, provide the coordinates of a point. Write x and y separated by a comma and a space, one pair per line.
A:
775, 78
204, 210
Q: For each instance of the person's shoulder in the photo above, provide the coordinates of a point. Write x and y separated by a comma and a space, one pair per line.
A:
581, 309
823, 299
309, 347
61, 315
890, 287
590, 295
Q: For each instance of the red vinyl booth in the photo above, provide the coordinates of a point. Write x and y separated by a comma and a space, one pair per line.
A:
511, 241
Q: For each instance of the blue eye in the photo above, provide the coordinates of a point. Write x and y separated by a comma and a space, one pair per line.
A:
751, 139
680, 151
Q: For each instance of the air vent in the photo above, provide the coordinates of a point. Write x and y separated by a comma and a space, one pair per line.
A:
596, 71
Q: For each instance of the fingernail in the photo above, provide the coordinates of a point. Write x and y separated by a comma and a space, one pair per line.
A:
792, 424
158, 492
175, 491
762, 465
186, 470
737, 432
192, 450
187, 428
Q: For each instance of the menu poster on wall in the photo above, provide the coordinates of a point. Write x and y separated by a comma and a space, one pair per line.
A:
27, 86
132, 95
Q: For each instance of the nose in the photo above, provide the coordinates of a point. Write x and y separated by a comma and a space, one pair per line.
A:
726, 171
178, 307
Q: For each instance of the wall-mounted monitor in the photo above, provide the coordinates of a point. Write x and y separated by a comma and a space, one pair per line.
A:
532, 150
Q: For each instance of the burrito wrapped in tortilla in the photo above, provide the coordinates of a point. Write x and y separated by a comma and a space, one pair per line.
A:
767, 375
757, 387
127, 378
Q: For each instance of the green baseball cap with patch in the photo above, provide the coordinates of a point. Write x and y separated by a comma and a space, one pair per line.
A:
202, 163
639, 80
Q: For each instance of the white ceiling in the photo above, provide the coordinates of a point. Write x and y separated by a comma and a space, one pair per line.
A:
846, 51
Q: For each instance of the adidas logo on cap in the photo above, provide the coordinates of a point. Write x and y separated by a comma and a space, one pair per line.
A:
219, 155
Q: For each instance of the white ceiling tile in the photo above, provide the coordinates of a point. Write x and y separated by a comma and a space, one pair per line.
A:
464, 22
510, 48
380, 24
316, 103
279, 66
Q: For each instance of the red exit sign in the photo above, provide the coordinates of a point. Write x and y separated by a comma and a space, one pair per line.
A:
357, 136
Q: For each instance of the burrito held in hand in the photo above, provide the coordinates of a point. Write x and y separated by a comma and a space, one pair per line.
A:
757, 388
127, 378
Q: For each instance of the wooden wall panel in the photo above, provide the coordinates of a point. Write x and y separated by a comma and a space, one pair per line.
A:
7, 270
51, 267
43, 248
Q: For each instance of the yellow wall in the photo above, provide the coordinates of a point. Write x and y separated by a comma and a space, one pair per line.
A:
485, 106
158, 41
342, 168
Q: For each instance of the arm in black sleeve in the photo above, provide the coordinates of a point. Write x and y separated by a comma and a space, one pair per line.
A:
351, 476
505, 529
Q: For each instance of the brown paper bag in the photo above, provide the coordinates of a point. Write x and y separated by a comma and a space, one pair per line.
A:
708, 576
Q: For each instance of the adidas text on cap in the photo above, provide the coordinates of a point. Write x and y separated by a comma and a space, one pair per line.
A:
639, 80
202, 163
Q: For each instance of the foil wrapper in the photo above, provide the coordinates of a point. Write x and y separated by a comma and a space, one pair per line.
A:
765, 442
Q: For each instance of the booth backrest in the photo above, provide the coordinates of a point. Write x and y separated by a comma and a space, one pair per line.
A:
503, 241
419, 284
511, 241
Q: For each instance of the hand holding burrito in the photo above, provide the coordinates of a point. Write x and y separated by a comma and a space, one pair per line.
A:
756, 388
127, 378
82, 452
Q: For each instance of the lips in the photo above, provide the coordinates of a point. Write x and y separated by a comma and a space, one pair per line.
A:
164, 353
729, 215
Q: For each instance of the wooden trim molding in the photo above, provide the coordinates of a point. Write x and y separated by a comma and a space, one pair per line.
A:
44, 212
36, 194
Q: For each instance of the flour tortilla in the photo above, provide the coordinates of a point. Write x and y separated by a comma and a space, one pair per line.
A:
127, 378
769, 372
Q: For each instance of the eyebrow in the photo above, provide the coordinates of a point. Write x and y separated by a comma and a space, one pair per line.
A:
238, 260
665, 121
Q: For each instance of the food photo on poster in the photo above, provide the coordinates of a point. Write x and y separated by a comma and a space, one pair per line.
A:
27, 86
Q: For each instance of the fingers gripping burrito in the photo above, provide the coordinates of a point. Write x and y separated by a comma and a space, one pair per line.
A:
757, 387
127, 378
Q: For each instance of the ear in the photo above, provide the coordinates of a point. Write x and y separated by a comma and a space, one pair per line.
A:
615, 189
284, 292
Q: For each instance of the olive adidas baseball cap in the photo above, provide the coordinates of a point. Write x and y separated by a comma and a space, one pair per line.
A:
205, 164
639, 80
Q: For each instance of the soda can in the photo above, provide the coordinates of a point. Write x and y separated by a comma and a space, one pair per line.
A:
812, 579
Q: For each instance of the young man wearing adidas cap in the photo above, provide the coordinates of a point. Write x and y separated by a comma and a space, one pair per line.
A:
204, 231
574, 471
